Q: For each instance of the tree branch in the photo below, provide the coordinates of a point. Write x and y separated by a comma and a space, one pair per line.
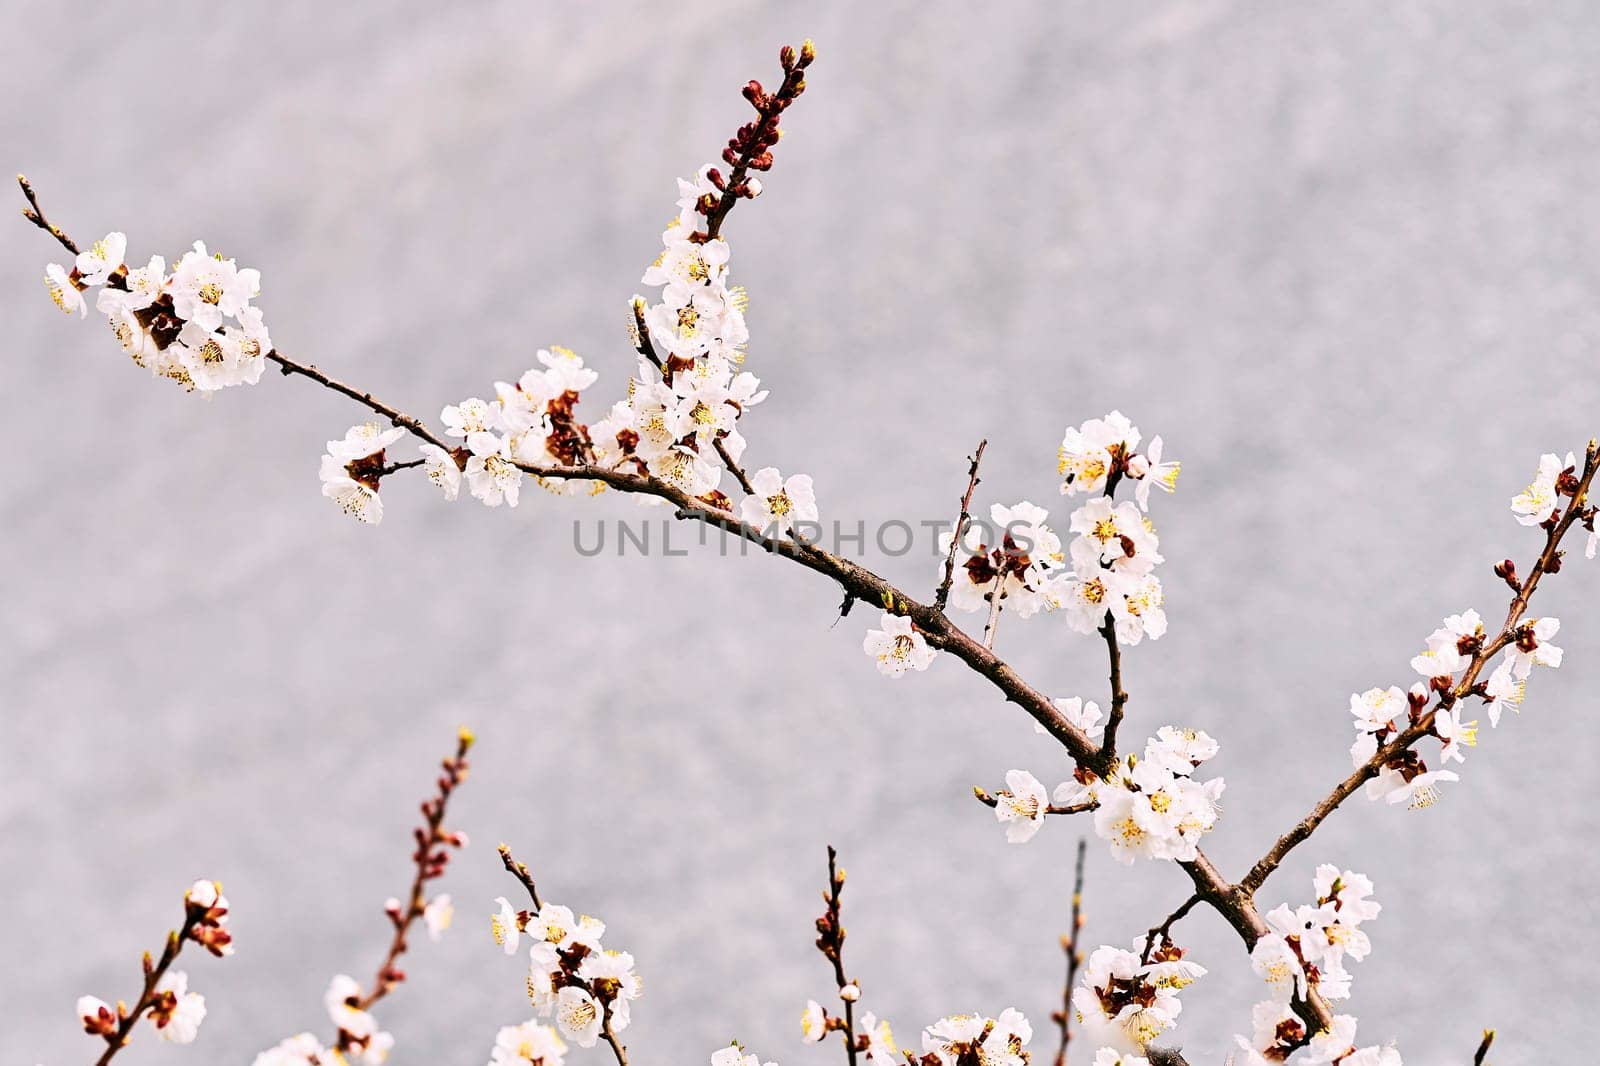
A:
1548, 560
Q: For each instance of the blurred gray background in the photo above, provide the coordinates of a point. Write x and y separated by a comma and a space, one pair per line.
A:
1341, 256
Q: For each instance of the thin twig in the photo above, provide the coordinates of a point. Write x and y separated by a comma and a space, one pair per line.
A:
996, 597
617, 1047
734, 468
430, 858
941, 595
1119, 697
1070, 945
35, 214
987, 800
830, 941
520, 872
1482, 1055
1164, 930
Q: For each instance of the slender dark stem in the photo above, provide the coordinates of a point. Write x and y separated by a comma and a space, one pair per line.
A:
830, 941
1073, 808
1164, 930
1482, 1054
520, 872
1119, 697
941, 595
35, 214
617, 1048
734, 468
1074, 952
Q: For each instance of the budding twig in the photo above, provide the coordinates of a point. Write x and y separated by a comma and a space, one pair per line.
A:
1482, 1055
942, 595
430, 858
1074, 952
35, 214
830, 941
1549, 560
520, 872
1164, 930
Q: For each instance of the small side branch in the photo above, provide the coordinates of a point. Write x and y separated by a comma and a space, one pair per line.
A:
1119, 695
35, 214
1163, 932
942, 595
830, 941
1074, 952
1481, 1058
520, 872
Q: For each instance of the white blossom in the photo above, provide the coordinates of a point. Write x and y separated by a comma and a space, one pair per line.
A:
813, 1022
1151, 471
63, 292
579, 1015
300, 1050
1533, 648
1089, 453
1021, 807
530, 1043
178, 1012
437, 914
778, 504
442, 469
1539, 501
898, 646
103, 258
505, 926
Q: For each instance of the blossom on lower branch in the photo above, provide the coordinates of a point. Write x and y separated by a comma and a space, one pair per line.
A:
352, 468
1123, 1002
967, 1039
1304, 950
588, 988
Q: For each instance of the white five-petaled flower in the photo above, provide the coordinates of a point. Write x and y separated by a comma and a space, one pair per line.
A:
1419, 792
1533, 648
1021, 808
491, 474
1090, 452
813, 1022
880, 1048
1376, 708
177, 1012
206, 288
778, 504
528, 1044
579, 1015
898, 646
1275, 962
1151, 471
437, 914
505, 926
1504, 689
63, 292
442, 469
102, 259
1540, 500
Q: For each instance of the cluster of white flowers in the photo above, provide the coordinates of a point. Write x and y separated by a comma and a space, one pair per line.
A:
1305, 949
1448, 650
1115, 553
1021, 568
360, 1039
1123, 1002
680, 409
195, 326
570, 974
964, 1039
1150, 807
